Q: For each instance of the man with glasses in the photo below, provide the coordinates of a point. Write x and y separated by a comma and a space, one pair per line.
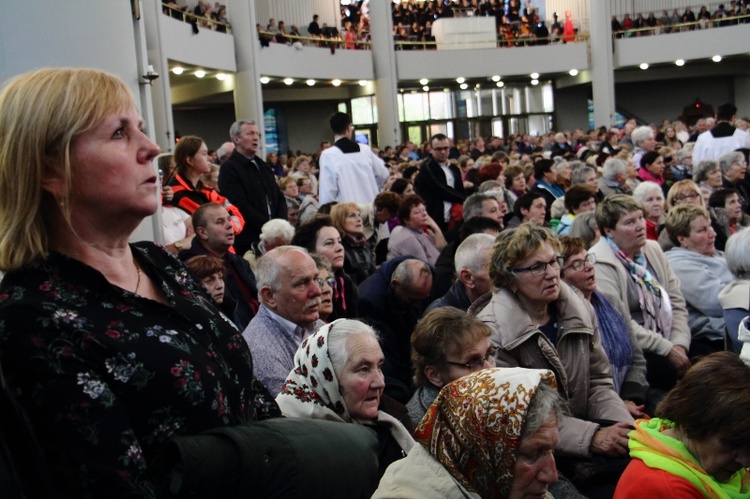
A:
439, 182
290, 300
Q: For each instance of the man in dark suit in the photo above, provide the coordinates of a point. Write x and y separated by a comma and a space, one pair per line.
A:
248, 182
439, 182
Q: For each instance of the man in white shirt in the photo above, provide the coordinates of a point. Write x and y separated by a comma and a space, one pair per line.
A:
349, 172
722, 138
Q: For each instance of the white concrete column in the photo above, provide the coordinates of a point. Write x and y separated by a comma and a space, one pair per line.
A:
161, 94
602, 66
248, 92
386, 80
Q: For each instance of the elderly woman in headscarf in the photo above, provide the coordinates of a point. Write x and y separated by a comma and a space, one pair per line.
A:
338, 376
490, 434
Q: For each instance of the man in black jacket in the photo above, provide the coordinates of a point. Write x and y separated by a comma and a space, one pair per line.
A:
214, 236
439, 182
249, 184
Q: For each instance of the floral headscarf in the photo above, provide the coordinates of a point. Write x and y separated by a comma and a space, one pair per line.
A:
473, 428
312, 389
312, 381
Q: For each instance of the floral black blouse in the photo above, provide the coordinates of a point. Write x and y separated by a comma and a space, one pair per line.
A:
108, 377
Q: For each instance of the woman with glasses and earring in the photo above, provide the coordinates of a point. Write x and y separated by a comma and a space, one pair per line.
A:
446, 344
625, 356
539, 322
326, 282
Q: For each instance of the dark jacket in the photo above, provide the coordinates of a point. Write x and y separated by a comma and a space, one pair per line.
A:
444, 271
434, 189
395, 321
345, 297
455, 297
236, 269
251, 188
358, 262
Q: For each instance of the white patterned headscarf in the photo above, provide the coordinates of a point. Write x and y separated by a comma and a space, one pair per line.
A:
474, 426
312, 388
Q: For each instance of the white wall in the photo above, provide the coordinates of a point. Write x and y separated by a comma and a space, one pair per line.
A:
88, 33
209, 49
315, 62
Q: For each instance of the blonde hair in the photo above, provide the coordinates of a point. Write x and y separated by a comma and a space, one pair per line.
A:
340, 212
41, 115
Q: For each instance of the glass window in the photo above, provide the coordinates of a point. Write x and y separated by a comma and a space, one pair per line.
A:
415, 134
362, 111
342, 107
466, 103
416, 107
484, 97
498, 129
441, 105
539, 99
540, 124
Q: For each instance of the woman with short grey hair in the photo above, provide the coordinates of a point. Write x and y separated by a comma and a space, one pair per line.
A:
708, 177
735, 297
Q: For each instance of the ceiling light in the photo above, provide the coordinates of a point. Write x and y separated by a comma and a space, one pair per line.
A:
362, 83
336, 82
288, 81
464, 86
424, 81
643, 66
534, 76
496, 78
221, 76
200, 73
716, 58
460, 79
535, 82
573, 72
264, 79
446, 90
178, 70
500, 84
680, 62
310, 82
426, 88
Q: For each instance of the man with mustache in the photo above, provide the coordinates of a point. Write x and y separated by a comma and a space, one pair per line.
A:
289, 296
214, 235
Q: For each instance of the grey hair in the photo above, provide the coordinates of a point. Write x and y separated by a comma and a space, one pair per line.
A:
584, 226
682, 153
490, 185
737, 255
579, 174
614, 167
560, 162
322, 263
644, 188
703, 168
340, 335
726, 160
267, 267
406, 272
276, 229
545, 403
223, 150
474, 205
469, 252
234, 130
641, 134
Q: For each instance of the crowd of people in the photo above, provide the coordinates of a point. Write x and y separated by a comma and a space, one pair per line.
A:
654, 24
202, 15
440, 308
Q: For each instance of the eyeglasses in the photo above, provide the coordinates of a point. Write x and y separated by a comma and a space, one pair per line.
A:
330, 281
540, 268
741, 163
580, 264
692, 195
476, 363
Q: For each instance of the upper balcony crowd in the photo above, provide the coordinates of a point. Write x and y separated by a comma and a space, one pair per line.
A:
737, 13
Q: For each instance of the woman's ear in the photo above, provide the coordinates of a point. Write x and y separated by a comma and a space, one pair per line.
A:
434, 376
53, 178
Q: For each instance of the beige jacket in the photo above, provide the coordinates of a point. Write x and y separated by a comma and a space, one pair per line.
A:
579, 362
612, 281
